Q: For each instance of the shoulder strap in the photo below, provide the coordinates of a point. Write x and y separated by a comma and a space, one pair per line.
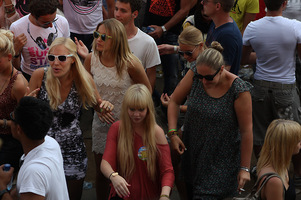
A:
269, 176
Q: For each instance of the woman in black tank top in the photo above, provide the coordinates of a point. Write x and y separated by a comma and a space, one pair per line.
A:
282, 141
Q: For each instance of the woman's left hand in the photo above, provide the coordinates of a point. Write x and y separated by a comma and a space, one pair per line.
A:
242, 178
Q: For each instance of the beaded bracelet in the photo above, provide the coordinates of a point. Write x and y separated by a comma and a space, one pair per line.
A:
164, 195
172, 130
172, 133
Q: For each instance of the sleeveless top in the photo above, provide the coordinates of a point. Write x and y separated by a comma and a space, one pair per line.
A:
7, 103
111, 88
66, 131
289, 193
213, 140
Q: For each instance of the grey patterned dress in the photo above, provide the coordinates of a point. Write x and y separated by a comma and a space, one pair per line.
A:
66, 131
212, 139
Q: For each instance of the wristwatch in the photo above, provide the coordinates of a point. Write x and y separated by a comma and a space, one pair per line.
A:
164, 29
2, 192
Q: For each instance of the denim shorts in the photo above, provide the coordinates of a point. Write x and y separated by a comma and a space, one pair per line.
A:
273, 101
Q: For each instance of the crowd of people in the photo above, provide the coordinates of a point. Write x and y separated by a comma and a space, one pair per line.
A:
60, 58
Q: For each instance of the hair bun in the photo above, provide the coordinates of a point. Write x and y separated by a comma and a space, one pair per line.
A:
217, 46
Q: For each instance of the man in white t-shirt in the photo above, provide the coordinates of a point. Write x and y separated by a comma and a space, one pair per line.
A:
35, 32
275, 40
41, 175
141, 44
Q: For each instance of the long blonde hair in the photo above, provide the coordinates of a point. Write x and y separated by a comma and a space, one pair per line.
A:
6, 42
79, 74
139, 97
280, 142
120, 48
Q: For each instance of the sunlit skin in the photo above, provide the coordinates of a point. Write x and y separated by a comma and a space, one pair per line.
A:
100, 44
136, 115
61, 69
205, 70
196, 51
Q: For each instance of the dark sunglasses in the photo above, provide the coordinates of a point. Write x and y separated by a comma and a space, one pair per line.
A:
208, 77
61, 58
103, 37
12, 117
188, 53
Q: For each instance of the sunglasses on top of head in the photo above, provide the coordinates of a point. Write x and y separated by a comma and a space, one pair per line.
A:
188, 53
61, 58
208, 77
103, 37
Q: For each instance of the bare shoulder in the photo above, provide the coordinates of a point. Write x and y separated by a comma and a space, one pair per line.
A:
160, 136
21, 83
273, 188
20, 87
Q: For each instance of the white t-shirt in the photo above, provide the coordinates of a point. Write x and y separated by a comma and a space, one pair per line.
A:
145, 48
42, 172
38, 41
83, 16
274, 40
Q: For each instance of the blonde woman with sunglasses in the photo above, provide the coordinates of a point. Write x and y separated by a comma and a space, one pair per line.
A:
114, 69
67, 86
216, 145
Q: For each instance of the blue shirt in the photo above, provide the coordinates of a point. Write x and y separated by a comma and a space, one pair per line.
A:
229, 36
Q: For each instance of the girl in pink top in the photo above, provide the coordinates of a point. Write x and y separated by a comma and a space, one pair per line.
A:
137, 156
